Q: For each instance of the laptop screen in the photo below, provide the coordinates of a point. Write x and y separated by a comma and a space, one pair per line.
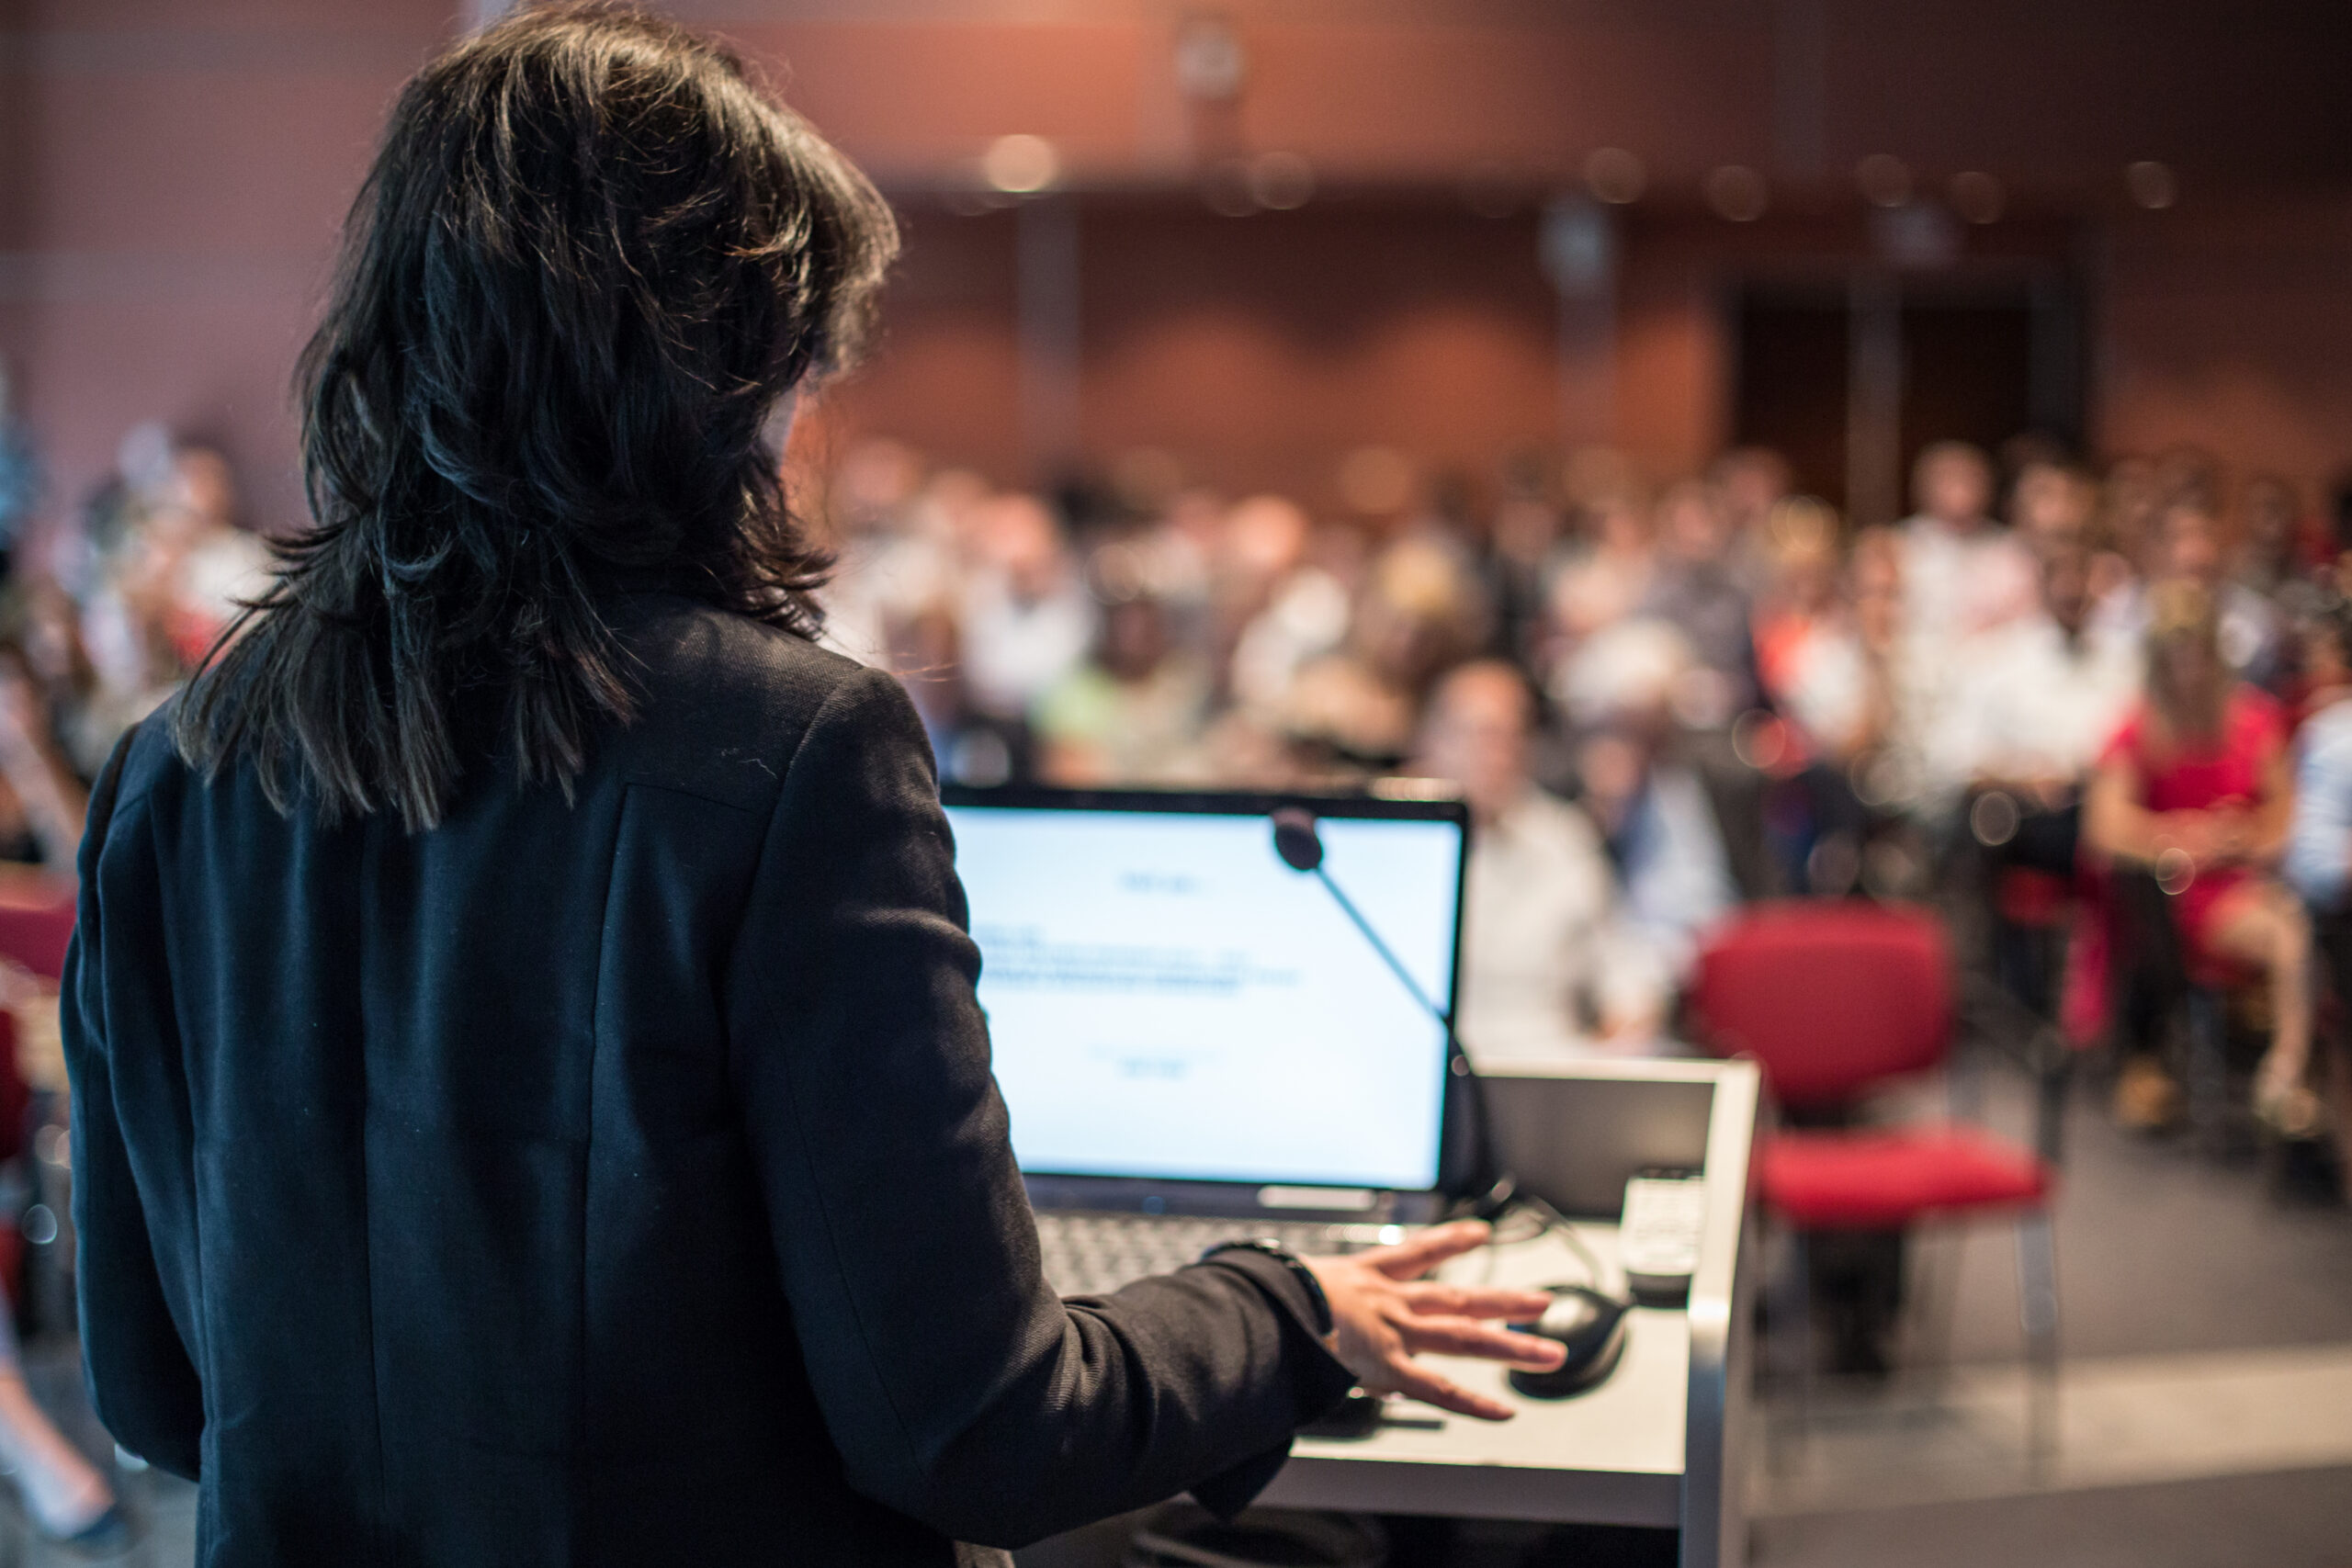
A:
1168, 999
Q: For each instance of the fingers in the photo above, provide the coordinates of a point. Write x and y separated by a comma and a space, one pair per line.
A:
1420, 1382
1469, 1301
1462, 1336
1417, 1254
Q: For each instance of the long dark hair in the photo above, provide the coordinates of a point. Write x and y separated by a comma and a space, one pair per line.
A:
590, 262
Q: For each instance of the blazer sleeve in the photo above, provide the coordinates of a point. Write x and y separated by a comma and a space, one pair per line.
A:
142, 1381
958, 1388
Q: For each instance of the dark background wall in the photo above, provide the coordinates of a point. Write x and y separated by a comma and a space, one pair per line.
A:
171, 173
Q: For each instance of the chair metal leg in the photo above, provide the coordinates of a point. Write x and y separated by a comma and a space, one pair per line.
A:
1936, 1285
2209, 1072
1791, 1315
2054, 1068
2037, 1315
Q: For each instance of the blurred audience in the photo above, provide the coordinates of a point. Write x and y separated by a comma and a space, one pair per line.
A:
1549, 963
1631, 692
1633, 686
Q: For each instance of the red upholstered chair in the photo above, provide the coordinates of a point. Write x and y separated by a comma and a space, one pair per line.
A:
35, 933
1833, 999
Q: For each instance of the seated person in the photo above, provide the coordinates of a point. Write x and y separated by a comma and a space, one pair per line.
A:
2195, 787
1693, 591
1133, 713
2319, 842
1963, 572
41, 798
2186, 541
1661, 832
2037, 701
1549, 967
1622, 692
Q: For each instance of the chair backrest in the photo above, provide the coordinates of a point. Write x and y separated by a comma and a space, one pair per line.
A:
1830, 999
35, 934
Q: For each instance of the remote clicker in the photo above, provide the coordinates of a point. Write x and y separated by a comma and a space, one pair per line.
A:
1658, 1238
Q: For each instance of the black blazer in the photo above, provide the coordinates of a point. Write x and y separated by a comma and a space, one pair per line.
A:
618, 1181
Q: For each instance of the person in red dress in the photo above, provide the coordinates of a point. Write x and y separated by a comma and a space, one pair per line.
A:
2197, 788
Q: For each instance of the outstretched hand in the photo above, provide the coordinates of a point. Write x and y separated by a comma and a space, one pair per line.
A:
1383, 1314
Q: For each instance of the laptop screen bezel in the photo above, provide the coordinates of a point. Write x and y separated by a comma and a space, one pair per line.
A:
1404, 801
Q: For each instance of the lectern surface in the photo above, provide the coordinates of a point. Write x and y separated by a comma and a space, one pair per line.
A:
1613, 1454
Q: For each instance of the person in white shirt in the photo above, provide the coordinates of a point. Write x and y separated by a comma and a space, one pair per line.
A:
1550, 967
2318, 861
1963, 573
1663, 837
2036, 701
1027, 618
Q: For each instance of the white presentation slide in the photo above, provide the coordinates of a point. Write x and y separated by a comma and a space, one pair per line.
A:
1167, 998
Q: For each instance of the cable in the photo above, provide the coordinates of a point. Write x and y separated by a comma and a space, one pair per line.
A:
1548, 1222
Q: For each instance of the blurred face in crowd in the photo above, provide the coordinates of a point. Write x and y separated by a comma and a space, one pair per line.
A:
2189, 476
2325, 661
2066, 588
2051, 508
1752, 481
1135, 639
1265, 538
955, 502
198, 496
873, 483
1807, 579
1620, 525
51, 637
2190, 545
1802, 535
1953, 484
1691, 525
1197, 515
1021, 538
2131, 504
1878, 590
2271, 515
1477, 735
2186, 678
1613, 765
1525, 528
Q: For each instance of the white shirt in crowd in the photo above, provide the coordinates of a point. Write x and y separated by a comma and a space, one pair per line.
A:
1958, 584
1544, 944
1016, 650
2028, 703
1831, 692
2319, 844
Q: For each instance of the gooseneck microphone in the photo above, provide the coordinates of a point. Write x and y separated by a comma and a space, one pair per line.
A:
1588, 1322
1300, 845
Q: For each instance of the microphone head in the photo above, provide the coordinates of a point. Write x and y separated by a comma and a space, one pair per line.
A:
1295, 838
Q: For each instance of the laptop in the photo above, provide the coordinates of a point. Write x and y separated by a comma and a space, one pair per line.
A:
1195, 1041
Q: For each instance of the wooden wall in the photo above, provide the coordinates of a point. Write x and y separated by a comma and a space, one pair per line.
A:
171, 173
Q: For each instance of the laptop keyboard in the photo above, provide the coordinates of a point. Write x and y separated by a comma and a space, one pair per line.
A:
1094, 1254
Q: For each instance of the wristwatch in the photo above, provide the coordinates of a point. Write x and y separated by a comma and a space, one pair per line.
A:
1296, 1265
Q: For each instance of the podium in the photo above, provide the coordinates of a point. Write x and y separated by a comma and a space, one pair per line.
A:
1658, 1443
